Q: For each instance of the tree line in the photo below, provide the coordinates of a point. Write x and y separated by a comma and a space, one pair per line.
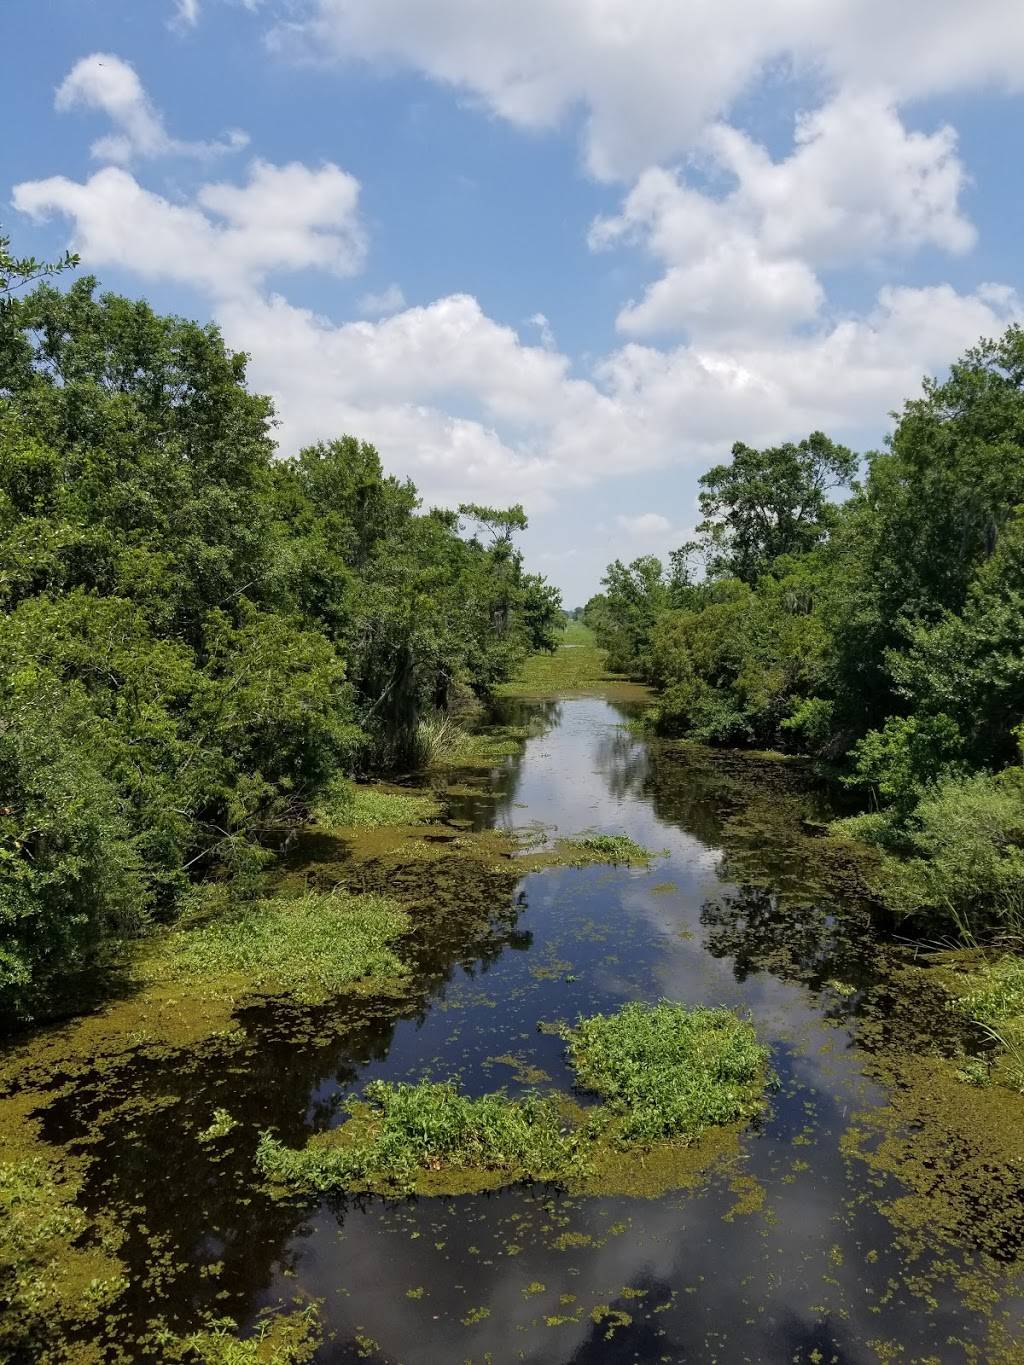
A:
199, 637
869, 613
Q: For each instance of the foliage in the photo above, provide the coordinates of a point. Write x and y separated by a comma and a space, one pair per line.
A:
881, 633
398, 1131
279, 1339
17, 272
768, 503
961, 851
311, 947
738, 669
201, 640
359, 806
670, 1071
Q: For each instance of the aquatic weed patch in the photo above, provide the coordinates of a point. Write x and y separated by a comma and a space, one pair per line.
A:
358, 806
399, 1135
309, 947
607, 848
279, 1339
993, 997
670, 1072
666, 1074
52, 1265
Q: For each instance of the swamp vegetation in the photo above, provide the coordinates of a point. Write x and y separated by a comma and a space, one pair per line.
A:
385, 985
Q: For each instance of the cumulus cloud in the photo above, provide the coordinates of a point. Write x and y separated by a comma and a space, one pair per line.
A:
284, 218
650, 76
106, 83
857, 184
461, 402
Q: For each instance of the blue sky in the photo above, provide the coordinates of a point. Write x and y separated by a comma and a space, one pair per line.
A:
564, 252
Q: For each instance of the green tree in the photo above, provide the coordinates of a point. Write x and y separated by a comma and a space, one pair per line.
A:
768, 503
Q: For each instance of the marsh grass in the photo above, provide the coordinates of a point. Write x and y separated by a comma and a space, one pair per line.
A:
617, 849
395, 1133
350, 805
309, 947
577, 666
666, 1075
994, 999
668, 1071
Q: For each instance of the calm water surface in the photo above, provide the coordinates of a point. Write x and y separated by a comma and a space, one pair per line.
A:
784, 1257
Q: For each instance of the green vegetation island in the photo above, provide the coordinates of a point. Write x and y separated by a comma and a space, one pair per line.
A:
302, 926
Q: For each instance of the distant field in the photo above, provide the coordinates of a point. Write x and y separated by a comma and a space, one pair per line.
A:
576, 666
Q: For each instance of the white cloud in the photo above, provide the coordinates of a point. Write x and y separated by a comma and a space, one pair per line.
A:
857, 184
650, 76
646, 526
285, 218
543, 326
187, 12
106, 83
458, 400
388, 301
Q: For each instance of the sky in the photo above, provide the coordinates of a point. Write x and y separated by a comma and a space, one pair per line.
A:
557, 252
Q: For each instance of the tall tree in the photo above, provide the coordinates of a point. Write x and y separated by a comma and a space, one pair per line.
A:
772, 502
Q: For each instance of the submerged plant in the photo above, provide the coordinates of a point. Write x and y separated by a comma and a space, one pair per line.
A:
669, 1071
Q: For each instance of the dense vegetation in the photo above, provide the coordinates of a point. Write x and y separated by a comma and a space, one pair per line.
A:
664, 1074
872, 616
199, 638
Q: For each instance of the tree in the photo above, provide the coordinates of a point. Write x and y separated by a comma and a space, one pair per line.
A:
768, 503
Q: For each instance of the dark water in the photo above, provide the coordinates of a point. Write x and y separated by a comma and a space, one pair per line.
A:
784, 1257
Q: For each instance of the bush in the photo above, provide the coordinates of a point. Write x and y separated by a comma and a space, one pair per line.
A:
964, 851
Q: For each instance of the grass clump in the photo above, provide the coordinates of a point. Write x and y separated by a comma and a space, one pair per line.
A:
349, 805
994, 999
667, 1071
309, 947
607, 848
280, 1339
398, 1136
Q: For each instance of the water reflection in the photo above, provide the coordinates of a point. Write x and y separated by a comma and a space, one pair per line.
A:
784, 1257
